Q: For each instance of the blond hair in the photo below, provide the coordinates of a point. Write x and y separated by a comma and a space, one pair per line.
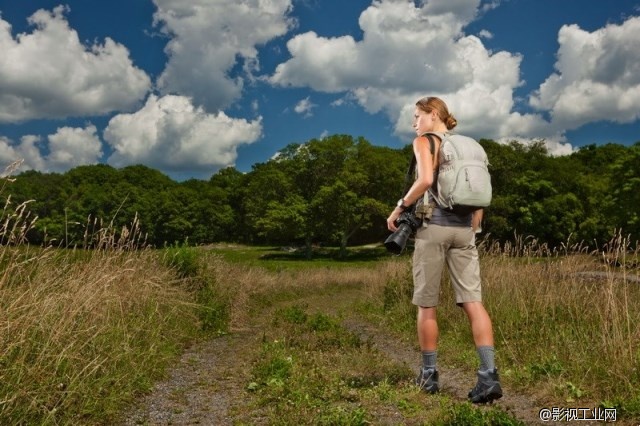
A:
436, 104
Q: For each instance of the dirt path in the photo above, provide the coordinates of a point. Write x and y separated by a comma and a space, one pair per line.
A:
207, 386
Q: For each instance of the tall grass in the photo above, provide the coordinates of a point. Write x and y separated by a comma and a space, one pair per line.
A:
83, 331
248, 289
565, 320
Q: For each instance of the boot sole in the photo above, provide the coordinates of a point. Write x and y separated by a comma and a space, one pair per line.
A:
488, 396
430, 389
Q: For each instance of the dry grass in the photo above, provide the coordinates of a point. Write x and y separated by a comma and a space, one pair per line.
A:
569, 321
565, 321
248, 288
82, 331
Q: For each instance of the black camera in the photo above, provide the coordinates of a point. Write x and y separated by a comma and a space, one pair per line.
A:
407, 223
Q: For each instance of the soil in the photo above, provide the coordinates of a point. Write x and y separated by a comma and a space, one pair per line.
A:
207, 386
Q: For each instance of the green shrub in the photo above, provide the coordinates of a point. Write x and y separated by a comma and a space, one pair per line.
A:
183, 259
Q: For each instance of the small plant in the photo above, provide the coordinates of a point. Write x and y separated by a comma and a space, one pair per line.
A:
292, 314
574, 392
549, 367
342, 416
212, 306
465, 414
183, 258
274, 367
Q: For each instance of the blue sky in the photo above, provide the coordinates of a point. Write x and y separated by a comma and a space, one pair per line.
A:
190, 86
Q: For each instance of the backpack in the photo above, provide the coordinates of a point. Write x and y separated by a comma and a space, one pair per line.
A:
463, 182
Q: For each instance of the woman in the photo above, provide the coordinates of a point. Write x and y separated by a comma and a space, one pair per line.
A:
448, 237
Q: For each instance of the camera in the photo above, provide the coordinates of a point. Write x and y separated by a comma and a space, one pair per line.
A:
408, 223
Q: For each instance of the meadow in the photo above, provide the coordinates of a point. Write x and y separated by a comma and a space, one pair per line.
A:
86, 330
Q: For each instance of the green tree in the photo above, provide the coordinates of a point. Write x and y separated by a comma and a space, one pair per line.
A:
231, 184
209, 211
268, 192
48, 192
625, 187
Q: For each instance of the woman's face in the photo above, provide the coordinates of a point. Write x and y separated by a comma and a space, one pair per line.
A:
423, 121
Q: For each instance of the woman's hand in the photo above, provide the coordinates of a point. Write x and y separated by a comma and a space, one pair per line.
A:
391, 220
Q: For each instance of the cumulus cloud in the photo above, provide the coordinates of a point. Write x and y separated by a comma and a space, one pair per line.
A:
597, 76
410, 50
305, 107
49, 73
211, 37
27, 150
70, 147
407, 52
171, 134
67, 148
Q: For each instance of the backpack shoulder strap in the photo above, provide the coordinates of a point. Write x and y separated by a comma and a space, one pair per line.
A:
441, 135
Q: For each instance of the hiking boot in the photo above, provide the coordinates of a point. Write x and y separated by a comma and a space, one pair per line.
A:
427, 380
487, 389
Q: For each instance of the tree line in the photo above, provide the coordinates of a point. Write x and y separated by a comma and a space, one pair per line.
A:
336, 191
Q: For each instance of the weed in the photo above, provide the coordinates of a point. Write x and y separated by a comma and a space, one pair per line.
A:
85, 330
342, 416
292, 314
549, 367
212, 307
183, 258
464, 414
274, 366
573, 391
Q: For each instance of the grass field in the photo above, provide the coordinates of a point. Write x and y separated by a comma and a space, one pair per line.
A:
565, 321
86, 331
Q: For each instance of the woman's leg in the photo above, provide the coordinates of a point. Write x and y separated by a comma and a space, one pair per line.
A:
481, 326
427, 329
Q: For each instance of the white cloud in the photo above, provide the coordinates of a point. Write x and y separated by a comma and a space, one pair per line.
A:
597, 76
399, 40
49, 73
305, 107
172, 135
485, 34
26, 150
70, 147
67, 148
489, 5
408, 52
209, 37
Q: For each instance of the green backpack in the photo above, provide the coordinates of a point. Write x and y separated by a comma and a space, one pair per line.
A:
463, 181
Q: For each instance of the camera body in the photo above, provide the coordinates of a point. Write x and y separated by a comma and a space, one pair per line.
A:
407, 223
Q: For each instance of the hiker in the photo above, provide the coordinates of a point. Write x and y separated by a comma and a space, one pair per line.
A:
447, 237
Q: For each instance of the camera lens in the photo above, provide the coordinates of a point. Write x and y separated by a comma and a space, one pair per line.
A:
397, 241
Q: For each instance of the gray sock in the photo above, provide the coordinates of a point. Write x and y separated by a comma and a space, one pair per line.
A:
429, 359
487, 358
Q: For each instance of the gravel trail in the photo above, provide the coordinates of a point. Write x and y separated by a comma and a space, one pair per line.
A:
208, 384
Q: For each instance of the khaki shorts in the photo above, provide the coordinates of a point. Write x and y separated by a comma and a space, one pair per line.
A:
457, 245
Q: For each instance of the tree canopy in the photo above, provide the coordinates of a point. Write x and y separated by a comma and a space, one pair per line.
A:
336, 191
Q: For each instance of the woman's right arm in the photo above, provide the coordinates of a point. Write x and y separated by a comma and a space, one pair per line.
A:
424, 166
